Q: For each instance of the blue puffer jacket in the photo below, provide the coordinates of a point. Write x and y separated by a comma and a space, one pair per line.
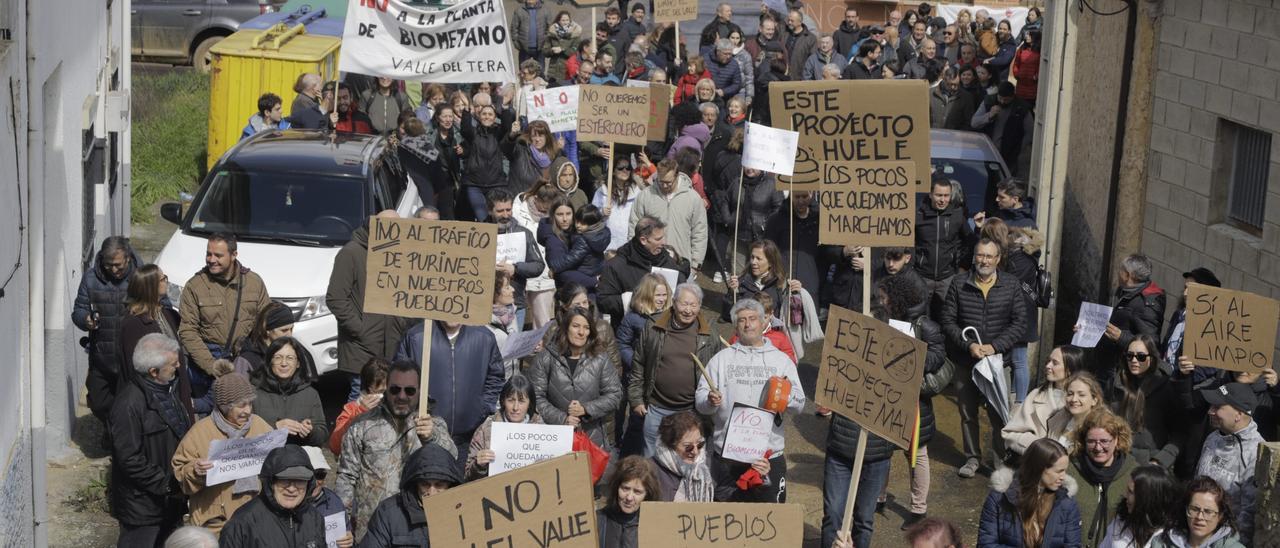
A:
470, 366
628, 334
581, 259
727, 77
1001, 527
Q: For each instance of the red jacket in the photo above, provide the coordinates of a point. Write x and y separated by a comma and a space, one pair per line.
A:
1026, 68
687, 85
779, 339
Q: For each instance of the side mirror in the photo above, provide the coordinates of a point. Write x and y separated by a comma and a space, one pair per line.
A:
172, 212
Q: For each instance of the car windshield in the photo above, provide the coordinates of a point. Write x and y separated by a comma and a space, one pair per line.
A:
978, 177
302, 208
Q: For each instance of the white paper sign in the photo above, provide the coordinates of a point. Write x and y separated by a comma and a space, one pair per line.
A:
522, 344
746, 436
558, 107
518, 444
770, 149
468, 42
241, 458
512, 247
902, 326
633, 83
335, 527
669, 274
1091, 325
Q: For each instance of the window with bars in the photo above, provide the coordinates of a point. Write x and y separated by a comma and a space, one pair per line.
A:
1250, 167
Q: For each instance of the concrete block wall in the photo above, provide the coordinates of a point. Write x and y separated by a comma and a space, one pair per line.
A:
1217, 60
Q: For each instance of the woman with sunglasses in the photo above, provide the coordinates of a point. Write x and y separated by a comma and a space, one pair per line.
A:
518, 405
622, 197
1209, 521
285, 397
1143, 394
1101, 464
147, 314
680, 460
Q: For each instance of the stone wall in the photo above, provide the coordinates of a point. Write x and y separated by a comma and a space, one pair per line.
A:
1218, 63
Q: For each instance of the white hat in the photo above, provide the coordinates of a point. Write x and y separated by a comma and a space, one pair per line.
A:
317, 458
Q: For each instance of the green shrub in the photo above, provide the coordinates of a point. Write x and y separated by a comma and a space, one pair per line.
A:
170, 135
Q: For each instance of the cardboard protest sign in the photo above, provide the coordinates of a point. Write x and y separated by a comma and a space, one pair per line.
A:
868, 204
558, 107
670, 11
854, 121
516, 445
740, 525
613, 114
1092, 324
870, 373
659, 108
746, 436
512, 247
438, 270
241, 458
467, 42
546, 504
769, 149
1229, 329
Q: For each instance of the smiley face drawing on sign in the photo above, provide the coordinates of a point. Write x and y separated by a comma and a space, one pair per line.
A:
900, 359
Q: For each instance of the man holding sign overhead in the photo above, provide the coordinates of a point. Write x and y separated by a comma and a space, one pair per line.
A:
744, 373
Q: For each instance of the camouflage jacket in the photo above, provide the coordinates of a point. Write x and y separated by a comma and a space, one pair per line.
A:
373, 453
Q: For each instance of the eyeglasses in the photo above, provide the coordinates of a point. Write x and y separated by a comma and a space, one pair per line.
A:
948, 34
1140, 356
1099, 443
284, 359
691, 446
408, 390
1193, 511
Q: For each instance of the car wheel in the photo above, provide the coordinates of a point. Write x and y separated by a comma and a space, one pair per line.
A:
202, 59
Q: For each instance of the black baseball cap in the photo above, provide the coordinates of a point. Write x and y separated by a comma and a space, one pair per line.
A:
1202, 275
1235, 394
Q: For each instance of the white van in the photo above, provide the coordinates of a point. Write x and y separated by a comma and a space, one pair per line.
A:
292, 199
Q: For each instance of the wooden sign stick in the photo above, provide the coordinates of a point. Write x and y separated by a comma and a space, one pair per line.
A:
608, 182
427, 331
737, 213
676, 39
861, 451
703, 370
593, 30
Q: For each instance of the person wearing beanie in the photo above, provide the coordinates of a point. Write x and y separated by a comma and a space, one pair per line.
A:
323, 499
282, 514
275, 321
1231, 451
231, 418
428, 471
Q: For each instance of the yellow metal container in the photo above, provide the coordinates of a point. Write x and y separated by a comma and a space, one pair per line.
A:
250, 63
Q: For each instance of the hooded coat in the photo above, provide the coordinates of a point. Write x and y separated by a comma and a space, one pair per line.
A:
263, 523
1001, 526
577, 198
740, 372
557, 63
361, 335
693, 136
684, 214
399, 519
100, 293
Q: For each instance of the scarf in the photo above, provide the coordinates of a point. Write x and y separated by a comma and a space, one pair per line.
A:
540, 158
695, 479
561, 31
242, 485
1095, 474
534, 212
503, 314
643, 255
161, 398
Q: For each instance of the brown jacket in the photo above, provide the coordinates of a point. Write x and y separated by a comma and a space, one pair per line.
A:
208, 304
211, 507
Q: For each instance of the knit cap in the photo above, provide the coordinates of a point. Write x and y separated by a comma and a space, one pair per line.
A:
231, 388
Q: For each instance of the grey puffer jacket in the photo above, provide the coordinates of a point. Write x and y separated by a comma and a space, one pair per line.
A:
593, 383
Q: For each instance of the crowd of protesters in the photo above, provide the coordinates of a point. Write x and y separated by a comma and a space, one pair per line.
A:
1128, 444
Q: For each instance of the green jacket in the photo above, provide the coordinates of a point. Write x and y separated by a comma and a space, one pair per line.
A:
1089, 494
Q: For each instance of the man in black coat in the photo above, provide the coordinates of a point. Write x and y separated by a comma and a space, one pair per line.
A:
941, 230
99, 309
1138, 309
147, 421
992, 303
429, 471
281, 514
646, 250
